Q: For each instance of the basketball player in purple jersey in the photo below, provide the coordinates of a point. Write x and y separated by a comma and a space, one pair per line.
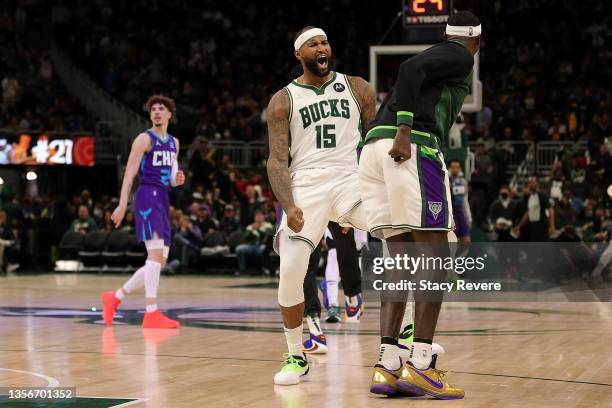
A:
154, 157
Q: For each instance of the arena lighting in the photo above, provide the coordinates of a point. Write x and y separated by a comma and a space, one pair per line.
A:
1, 181
31, 176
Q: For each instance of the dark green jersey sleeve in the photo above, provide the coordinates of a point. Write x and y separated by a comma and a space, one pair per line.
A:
449, 65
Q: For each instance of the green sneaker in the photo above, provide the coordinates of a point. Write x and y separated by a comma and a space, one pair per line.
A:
294, 367
333, 314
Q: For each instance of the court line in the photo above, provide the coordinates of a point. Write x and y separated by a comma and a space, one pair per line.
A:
51, 381
533, 378
329, 364
125, 404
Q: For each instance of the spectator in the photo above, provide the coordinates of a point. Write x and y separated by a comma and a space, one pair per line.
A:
557, 130
10, 90
84, 223
7, 240
128, 222
565, 214
502, 214
187, 239
537, 220
205, 221
107, 224
256, 237
249, 203
202, 165
230, 221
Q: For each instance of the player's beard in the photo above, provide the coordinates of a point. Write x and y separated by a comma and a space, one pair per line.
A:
313, 67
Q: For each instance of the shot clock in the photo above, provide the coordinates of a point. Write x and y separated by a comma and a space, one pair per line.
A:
426, 13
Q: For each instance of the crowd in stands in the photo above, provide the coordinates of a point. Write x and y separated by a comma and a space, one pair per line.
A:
222, 61
33, 98
575, 191
227, 202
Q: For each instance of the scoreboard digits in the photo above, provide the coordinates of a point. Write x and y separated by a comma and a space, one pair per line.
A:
426, 13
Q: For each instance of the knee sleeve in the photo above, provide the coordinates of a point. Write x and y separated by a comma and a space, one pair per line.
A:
294, 256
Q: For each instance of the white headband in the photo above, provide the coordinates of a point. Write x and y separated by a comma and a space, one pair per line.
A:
464, 31
307, 35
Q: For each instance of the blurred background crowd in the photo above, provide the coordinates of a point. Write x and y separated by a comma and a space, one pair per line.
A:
221, 62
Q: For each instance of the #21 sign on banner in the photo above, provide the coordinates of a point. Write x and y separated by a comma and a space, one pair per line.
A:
43, 149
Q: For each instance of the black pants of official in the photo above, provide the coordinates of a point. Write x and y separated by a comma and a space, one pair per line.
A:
348, 263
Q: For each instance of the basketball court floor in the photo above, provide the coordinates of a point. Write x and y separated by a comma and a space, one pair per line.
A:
230, 345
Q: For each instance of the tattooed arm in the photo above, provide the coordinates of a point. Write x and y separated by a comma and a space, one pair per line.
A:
278, 162
367, 101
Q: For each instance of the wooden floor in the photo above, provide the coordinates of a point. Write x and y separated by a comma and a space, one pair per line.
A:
503, 354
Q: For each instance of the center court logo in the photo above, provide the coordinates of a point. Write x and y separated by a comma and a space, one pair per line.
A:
435, 208
338, 87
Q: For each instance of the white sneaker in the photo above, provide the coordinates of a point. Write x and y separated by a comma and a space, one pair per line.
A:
293, 368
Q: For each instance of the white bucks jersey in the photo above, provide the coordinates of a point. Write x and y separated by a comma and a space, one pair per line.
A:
324, 125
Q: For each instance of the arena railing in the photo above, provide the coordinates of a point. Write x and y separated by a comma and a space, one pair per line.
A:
241, 154
548, 153
127, 122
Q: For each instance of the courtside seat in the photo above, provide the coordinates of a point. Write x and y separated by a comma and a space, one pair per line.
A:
93, 245
136, 253
235, 238
70, 245
116, 248
230, 260
214, 245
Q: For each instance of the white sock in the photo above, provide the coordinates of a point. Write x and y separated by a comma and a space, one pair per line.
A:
389, 356
332, 293
420, 356
119, 294
314, 325
151, 278
408, 315
151, 308
135, 282
294, 340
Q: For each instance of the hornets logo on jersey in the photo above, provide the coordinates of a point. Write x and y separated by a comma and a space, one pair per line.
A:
156, 165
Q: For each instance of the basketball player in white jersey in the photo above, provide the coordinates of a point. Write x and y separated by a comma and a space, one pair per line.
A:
314, 126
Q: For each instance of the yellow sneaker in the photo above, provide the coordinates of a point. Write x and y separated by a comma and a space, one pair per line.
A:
384, 382
430, 381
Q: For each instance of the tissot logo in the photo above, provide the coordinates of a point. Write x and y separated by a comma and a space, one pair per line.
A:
338, 87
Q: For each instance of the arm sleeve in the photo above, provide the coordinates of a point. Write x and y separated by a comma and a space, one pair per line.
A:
173, 173
446, 63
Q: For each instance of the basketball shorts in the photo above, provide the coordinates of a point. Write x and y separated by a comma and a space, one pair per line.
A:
152, 214
413, 195
323, 195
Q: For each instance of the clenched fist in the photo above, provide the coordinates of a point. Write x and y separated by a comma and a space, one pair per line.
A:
295, 219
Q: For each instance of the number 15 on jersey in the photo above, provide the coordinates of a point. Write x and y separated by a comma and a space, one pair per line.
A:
326, 137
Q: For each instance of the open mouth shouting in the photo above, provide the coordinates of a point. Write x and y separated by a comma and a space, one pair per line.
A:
322, 62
